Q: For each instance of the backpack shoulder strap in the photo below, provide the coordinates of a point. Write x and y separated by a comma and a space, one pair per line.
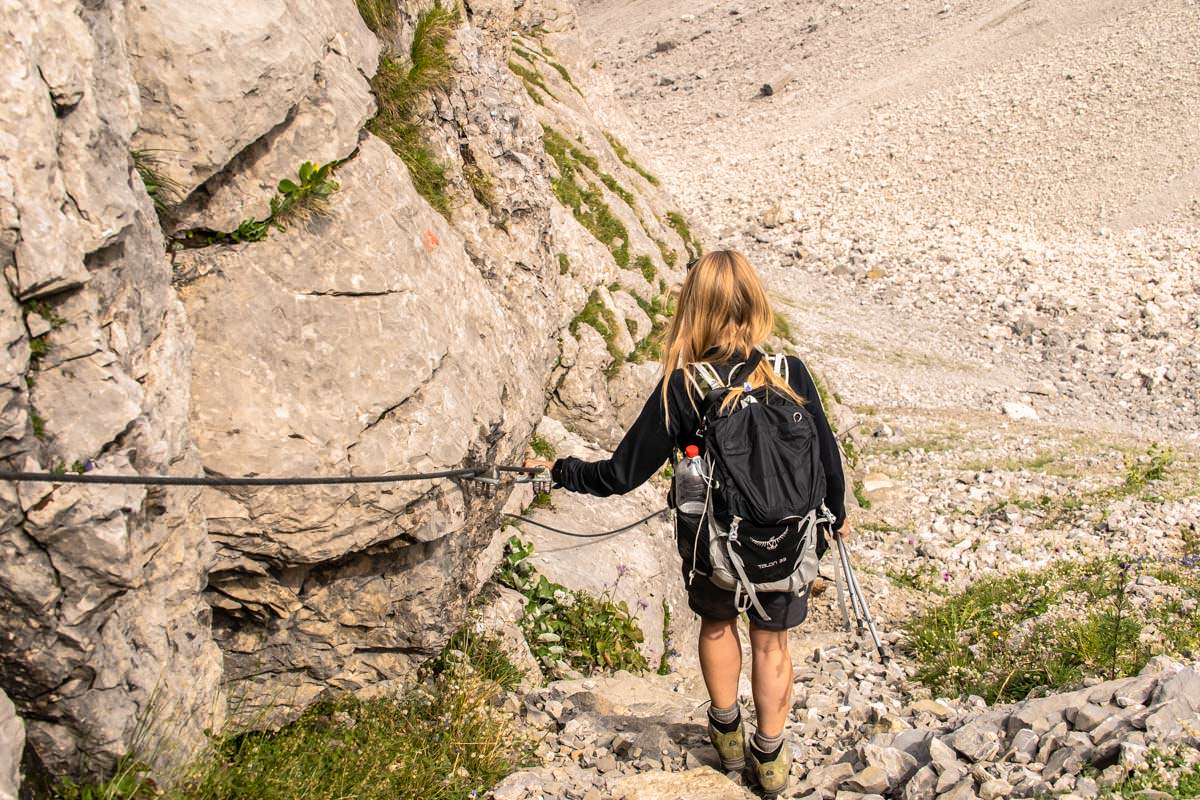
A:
780, 365
703, 371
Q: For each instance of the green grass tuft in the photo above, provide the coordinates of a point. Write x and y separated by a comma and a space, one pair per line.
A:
1005, 637
400, 90
481, 184
602, 319
619, 190
585, 200
481, 654
444, 739
1174, 775
532, 79
623, 153
380, 15
163, 190
564, 264
676, 221
541, 447
860, 495
646, 267
669, 256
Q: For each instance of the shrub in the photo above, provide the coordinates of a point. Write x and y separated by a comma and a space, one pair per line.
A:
570, 630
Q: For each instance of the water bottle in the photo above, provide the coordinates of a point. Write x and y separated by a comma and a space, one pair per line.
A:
691, 482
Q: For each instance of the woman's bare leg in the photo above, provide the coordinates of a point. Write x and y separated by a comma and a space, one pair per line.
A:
720, 660
770, 679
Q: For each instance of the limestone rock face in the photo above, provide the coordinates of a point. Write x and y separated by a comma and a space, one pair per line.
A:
378, 337
100, 604
380, 355
12, 743
215, 78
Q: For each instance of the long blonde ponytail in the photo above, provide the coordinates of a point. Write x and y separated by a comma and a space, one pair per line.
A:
722, 314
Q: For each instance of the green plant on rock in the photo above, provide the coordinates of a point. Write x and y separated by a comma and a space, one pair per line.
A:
296, 201
646, 266
623, 154
669, 256
480, 654
163, 190
380, 15
619, 190
570, 630
130, 781
564, 264
1166, 775
481, 185
677, 221
782, 328
860, 495
541, 447
664, 661
598, 316
401, 87
585, 199
533, 81
1142, 470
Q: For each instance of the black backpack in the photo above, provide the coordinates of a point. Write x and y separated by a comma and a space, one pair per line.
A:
766, 485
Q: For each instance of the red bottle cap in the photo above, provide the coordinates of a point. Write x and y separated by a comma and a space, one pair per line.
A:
691, 451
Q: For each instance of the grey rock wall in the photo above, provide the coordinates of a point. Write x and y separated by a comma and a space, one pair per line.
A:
12, 744
378, 337
104, 626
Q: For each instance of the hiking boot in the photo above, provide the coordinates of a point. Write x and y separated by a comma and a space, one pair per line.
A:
772, 776
730, 746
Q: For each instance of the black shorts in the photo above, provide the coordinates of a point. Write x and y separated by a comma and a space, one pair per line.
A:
711, 602
784, 609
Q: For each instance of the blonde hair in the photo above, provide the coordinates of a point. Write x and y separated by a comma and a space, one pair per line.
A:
722, 307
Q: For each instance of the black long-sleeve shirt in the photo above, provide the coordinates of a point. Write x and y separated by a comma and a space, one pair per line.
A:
649, 443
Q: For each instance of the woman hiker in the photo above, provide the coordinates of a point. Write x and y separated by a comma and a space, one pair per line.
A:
723, 315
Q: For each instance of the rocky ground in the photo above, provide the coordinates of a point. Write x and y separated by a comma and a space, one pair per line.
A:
980, 220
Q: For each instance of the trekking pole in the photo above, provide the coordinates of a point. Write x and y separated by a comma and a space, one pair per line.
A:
858, 600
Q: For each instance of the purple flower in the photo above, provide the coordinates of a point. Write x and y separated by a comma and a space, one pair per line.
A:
621, 570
